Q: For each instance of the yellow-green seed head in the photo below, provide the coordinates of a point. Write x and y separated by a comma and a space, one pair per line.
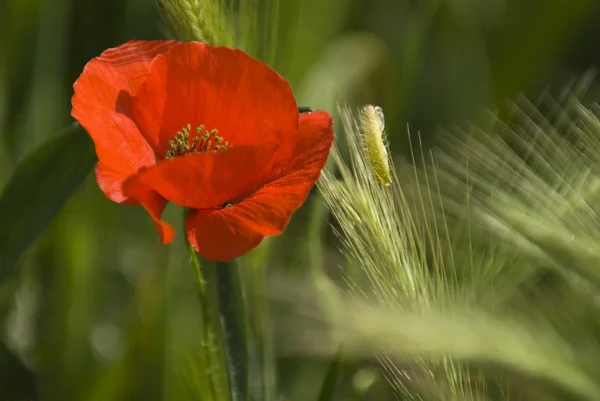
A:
372, 125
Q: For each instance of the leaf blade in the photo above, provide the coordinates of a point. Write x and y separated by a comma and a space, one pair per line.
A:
40, 185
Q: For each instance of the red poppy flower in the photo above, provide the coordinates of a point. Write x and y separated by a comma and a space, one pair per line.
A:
208, 128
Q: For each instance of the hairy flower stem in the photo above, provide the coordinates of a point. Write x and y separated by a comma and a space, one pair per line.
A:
230, 296
213, 356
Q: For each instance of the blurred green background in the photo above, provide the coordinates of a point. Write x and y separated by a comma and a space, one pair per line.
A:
100, 310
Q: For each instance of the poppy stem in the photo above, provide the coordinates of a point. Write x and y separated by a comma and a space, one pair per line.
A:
231, 306
213, 356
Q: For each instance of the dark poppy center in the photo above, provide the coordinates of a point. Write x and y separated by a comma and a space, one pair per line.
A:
202, 141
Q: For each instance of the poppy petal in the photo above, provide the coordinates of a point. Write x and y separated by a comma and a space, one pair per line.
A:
224, 234
102, 105
110, 182
154, 205
217, 87
205, 180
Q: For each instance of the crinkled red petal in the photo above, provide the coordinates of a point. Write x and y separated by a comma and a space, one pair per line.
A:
102, 104
219, 88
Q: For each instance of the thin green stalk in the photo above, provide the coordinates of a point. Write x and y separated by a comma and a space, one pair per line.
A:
231, 307
214, 358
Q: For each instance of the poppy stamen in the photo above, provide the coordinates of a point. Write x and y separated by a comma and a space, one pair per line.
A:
207, 142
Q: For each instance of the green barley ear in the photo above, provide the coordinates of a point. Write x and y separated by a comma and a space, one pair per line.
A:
250, 25
522, 194
206, 21
387, 252
495, 233
533, 181
372, 124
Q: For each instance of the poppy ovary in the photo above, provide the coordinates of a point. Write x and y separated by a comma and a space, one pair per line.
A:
210, 141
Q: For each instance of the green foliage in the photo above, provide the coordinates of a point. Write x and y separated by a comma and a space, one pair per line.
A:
39, 187
473, 277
